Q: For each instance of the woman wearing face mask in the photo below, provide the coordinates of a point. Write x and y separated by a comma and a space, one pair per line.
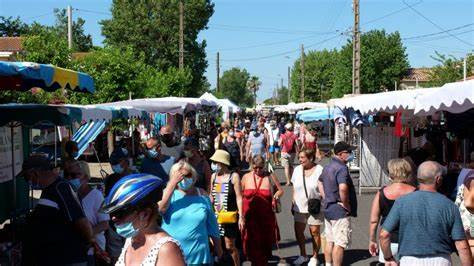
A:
132, 205
193, 156
91, 201
232, 146
188, 215
226, 197
465, 202
260, 232
155, 162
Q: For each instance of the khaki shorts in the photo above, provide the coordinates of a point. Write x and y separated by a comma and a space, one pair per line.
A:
306, 218
287, 159
338, 231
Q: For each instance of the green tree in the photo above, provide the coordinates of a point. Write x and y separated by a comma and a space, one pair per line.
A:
233, 86
254, 85
282, 95
12, 27
383, 61
118, 72
449, 69
152, 27
319, 75
81, 42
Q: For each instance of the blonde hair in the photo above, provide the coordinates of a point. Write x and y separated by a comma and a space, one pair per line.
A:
183, 165
400, 170
258, 160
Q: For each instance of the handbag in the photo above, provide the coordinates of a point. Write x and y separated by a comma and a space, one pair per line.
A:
226, 217
314, 205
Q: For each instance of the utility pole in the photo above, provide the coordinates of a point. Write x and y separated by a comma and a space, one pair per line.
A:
181, 35
465, 68
302, 74
281, 83
218, 69
356, 50
275, 93
69, 27
289, 89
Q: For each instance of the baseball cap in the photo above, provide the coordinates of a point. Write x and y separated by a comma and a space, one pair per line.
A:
289, 126
116, 156
343, 146
36, 161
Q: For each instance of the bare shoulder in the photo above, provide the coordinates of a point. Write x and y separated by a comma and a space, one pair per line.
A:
170, 254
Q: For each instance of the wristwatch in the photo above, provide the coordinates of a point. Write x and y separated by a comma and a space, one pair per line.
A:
389, 259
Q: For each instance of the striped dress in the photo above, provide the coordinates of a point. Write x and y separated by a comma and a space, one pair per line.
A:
225, 200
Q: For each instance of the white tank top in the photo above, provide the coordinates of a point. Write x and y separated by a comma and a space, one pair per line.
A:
152, 257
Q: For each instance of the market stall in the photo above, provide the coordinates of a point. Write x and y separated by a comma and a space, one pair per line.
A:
401, 123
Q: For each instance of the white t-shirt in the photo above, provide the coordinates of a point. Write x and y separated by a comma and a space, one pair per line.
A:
274, 136
91, 204
299, 196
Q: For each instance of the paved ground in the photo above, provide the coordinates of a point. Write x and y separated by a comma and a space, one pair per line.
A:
357, 253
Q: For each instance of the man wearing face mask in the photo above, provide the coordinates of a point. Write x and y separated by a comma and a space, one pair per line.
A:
170, 146
155, 162
339, 203
58, 231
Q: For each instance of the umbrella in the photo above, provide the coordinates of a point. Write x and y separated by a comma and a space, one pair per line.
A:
23, 76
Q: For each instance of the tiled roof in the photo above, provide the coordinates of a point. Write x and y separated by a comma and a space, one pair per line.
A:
10, 44
422, 74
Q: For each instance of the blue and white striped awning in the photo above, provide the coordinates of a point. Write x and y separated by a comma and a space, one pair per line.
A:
315, 114
87, 133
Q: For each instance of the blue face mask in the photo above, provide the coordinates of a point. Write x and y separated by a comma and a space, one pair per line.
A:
126, 230
215, 168
152, 153
75, 184
186, 183
34, 186
350, 158
117, 168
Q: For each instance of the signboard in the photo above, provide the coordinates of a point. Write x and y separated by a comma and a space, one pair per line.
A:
6, 152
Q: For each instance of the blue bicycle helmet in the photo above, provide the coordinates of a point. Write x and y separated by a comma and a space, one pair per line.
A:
131, 191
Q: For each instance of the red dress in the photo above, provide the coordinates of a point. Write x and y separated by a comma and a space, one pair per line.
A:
261, 229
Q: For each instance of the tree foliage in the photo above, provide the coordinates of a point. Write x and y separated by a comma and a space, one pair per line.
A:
319, 75
253, 84
152, 27
383, 61
328, 74
118, 72
233, 85
12, 27
81, 42
449, 69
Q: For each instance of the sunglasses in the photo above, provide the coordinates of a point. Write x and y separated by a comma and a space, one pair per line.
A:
189, 175
257, 167
122, 213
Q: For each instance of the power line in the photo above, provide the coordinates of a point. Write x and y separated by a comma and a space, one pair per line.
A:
435, 38
93, 12
39, 16
437, 33
391, 13
436, 25
263, 29
282, 53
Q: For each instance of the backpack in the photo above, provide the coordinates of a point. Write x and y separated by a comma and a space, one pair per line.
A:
233, 149
288, 143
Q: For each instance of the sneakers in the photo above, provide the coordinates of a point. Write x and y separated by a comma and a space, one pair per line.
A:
300, 260
313, 261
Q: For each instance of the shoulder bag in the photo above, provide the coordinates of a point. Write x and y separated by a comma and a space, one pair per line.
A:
224, 216
314, 205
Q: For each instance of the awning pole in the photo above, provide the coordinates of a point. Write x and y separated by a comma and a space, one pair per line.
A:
55, 148
13, 170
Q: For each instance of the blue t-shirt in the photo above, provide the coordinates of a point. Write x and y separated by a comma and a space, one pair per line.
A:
160, 168
428, 224
191, 221
335, 173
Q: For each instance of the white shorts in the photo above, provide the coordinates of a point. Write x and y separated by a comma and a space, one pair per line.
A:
338, 231
306, 218
440, 260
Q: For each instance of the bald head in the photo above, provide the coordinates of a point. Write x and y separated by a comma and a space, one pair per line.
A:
428, 172
151, 143
166, 130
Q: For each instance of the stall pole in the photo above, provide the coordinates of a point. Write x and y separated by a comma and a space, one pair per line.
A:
13, 170
56, 147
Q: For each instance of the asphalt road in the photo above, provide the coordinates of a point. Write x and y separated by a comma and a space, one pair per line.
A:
357, 254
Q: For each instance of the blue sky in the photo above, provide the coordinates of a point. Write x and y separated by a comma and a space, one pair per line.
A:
263, 36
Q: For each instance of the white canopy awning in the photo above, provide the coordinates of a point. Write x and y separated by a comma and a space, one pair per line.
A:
295, 107
455, 97
226, 104
390, 102
170, 105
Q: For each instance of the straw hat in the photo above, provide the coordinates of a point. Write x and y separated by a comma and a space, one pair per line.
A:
221, 156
